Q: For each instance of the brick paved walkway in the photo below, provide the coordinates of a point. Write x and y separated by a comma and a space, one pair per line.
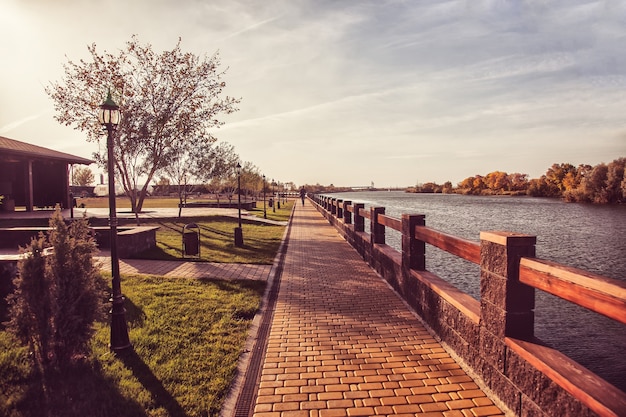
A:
343, 344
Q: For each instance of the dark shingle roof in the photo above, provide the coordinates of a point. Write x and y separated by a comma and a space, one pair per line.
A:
22, 149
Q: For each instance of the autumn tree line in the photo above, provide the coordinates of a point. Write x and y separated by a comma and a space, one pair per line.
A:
600, 184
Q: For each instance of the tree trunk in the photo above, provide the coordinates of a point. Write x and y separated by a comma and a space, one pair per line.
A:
180, 201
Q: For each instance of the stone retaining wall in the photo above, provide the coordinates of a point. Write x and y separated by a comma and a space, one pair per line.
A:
494, 336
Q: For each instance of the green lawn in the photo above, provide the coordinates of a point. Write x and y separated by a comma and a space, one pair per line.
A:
279, 214
187, 337
217, 240
169, 202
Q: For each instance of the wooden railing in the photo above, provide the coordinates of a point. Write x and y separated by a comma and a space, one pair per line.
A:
596, 293
493, 336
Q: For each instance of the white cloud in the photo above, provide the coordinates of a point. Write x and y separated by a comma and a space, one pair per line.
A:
386, 91
17, 123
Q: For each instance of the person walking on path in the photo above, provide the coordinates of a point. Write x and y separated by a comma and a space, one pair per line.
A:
302, 195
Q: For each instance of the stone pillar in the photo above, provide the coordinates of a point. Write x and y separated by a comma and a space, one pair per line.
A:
347, 216
333, 206
377, 231
506, 305
339, 208
413, 250
359, 221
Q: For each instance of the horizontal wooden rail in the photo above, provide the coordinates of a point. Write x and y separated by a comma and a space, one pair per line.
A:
467, 305
599, 294
390, 222
460, 247
459, 318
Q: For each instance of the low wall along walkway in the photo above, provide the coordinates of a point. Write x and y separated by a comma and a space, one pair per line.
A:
131, 240
494, 336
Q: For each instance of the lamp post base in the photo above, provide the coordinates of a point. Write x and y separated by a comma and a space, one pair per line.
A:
238, 237
119, 330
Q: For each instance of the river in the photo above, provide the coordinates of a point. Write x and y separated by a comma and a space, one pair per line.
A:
589, 237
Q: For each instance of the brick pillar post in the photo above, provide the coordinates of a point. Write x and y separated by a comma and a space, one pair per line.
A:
413, 250
506, 305
377, 231
359, 221
347, 216
340, 208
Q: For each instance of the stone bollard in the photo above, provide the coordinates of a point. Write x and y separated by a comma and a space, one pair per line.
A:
359, 221
506, 305
377, 231
347, 216
413, 250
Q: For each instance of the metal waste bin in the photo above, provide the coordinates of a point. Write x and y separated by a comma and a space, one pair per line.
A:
191, 240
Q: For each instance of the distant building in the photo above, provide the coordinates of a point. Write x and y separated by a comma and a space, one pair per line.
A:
32, 176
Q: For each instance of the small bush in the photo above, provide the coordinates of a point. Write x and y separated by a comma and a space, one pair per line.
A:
58, 296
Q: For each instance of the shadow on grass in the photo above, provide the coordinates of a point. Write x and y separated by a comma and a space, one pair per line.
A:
159, 253
215, 231
150, 382
135, 316
79, 390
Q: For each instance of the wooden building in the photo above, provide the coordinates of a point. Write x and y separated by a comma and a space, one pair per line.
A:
34, 177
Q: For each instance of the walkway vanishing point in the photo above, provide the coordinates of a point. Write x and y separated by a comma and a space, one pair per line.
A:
334, 339
340, 342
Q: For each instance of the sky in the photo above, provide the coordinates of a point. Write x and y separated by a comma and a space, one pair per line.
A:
355, 92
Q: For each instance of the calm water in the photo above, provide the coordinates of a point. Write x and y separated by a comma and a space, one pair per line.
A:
589, 237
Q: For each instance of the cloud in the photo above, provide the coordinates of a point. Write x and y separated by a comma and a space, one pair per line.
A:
250, 27
17, 123
367, 85
419, 156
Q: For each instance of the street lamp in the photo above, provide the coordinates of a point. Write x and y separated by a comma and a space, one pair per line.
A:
109, 116
274, 192
238, 230
264, 209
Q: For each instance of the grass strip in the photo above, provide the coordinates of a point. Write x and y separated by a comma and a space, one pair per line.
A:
187, 336
217, 241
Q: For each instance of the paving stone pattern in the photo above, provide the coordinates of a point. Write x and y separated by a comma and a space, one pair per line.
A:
177, 269
343, 344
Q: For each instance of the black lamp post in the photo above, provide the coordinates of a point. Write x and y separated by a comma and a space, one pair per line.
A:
238, 230
264, 209
109, 116
274, 192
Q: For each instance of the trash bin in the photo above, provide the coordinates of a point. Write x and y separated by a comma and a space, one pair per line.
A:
191, 240
270, 202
